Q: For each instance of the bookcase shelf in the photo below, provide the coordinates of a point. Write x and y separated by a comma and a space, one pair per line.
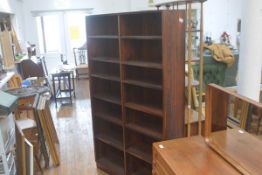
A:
102, 25
107, 98
106, 77
106, 59
137, 166
145, 64
102, 68
110, 140
108, 118
145, 108
137, 77
107, 111
109, 133
144, 77
109, 158
103, 37
143, 123
143, 37
143, 84
107, 90
142, 52
103, 48
147, 24
139, 145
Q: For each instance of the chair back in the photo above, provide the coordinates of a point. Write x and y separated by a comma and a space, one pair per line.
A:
80, 55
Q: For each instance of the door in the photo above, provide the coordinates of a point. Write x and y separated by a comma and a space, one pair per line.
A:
59, 33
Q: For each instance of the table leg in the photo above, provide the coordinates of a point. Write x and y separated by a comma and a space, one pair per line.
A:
54, 89
70, 89
73, 79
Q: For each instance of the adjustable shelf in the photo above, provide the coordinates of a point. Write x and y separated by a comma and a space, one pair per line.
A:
145, 64
108, 139
109, 158
106, 77
147, 131
107, 111
108, 118
143, 84
108, 69
144, 123
142, 37
143, 53
139, 146
145, 108
103, 37
108, 98
147, 24
144, 77
137, 166
136, 86
106, 90
102, 25
106, 59
109, 133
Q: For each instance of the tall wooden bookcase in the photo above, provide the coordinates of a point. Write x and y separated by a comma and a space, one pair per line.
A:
137, 81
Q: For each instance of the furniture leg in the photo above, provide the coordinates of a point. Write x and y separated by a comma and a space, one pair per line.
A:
70, 89
54, 89
73, 81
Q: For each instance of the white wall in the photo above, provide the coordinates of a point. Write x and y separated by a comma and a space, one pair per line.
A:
222, 15
219, 15
100, 6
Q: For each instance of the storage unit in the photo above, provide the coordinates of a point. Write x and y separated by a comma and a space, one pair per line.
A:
137, 84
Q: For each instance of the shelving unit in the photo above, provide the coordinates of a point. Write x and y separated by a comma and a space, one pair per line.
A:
137, 86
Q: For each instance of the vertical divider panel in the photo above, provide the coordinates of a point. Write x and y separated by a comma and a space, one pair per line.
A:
91, 88
122, 75
173, 73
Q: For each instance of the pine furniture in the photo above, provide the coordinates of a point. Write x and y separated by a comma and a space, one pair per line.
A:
137, 79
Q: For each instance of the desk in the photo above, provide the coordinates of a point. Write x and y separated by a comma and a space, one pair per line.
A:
66, 85
192, 156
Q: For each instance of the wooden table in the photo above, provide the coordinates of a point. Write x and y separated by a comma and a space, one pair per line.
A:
65, 80
192, 156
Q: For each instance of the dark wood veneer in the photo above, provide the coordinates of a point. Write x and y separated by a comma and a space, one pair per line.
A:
137, 86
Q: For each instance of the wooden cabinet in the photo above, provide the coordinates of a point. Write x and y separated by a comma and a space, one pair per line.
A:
137, 86
193, 156
221, 151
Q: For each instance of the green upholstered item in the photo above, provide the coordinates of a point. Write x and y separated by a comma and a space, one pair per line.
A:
217, 72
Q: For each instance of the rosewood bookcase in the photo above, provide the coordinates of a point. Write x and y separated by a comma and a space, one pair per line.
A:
137, 81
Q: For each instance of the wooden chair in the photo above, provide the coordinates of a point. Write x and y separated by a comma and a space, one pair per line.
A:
81, 63
24, 153
28, 125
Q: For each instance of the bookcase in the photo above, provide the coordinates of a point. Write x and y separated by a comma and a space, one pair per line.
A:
137, 81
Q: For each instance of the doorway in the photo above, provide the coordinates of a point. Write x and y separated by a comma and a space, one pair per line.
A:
59, 33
